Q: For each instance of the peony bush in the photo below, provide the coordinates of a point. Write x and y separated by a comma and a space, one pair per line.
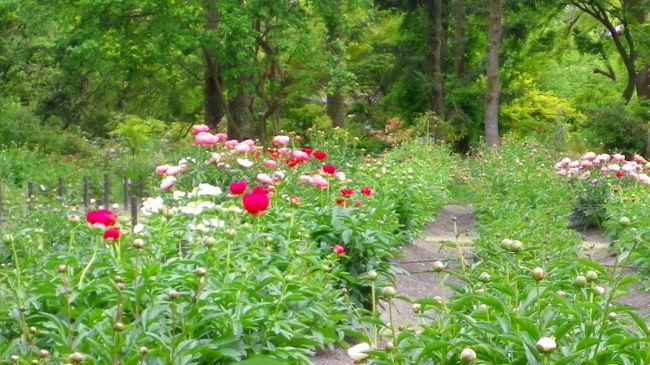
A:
246, 251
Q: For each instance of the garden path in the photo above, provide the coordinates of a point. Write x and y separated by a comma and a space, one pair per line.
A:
417, 259
435, 244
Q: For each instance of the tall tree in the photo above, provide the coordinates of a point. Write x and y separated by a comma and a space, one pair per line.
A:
492, 92
435, 40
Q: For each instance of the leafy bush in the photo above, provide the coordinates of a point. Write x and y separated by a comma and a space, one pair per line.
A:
617, 127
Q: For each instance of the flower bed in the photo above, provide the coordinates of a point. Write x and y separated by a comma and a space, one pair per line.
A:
247, 250
527, 298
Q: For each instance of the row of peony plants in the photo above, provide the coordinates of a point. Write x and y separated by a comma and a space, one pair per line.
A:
616, 187
247, 251
527, 297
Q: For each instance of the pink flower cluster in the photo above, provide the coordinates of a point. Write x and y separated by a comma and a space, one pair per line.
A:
606, 165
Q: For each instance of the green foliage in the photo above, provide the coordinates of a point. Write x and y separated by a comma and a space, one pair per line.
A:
135, 132
617, 127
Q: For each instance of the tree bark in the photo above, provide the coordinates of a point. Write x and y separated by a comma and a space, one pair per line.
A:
241, 128
460, 20
434, 57
493, 81
336, 109
213, 107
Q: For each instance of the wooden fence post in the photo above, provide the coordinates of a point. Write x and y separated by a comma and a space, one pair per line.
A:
61, 188
30, 194
86, 192
134, 211
141, 186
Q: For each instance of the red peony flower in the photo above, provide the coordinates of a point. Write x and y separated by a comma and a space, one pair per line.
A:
238, 187
292, 162
255, 203
261, 190
340, 201
112, 233
366, 190
347, 192
619, 173
338, 249
320, 155
329, 169
102, 216
306, 150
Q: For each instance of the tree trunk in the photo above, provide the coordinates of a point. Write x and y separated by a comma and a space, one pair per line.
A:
335, 99
493, 81
213, 108
434, 57
336, 108
460, 20
242, 125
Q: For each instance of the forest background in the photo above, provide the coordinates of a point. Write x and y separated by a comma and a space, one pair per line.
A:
137, 73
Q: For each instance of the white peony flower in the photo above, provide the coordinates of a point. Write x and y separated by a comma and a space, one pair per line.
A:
244, 162
207, 189
546, 345
358, 352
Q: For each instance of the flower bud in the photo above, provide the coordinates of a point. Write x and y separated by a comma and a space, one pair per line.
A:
417, 307
118, 327
389, 291
599, 290
561, 293
120, 286
624, 221
538, 273
546, 345
484, 276
581, 280
7, 238
14, 358
209, 241
591, 275
118, 279
372, 274
200, 271
517, 245
173, 294
506, 243
468, 355
34, 362
77, 357
138, 243
612, 316
144, 350
33, 330
62, 268
43, 353
438, 266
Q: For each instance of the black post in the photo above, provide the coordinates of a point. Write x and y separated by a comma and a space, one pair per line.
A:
30, 193
61, 188
126, 192
134, 211
107, 191
86, 192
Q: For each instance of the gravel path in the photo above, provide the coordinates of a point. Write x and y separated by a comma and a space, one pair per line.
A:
434, 244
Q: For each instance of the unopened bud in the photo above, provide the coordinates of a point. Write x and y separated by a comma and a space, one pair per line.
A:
62, 268
581, 280
372, 274
173, 294
591, 275
624, 221
144, 350
612, 316
484, 276
77, 357
138, 243
389, 291
517, 245
468, 355
538, 273
438, 266
120, 286
599, 290
200, 271
118, 327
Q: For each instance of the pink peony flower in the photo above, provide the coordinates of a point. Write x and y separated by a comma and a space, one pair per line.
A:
105, 217
295, 200
618, 157
329, 169
231, 143
175, 170
205, 138
243, 147
304, 178
300, 155
271, 163
318, 181
221, 137
198, 128
347, 192
168, 183
238, 187
320, 155
162, 169
255, 203
112, 233
366, 190
281, 140
264, 179
338, 249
